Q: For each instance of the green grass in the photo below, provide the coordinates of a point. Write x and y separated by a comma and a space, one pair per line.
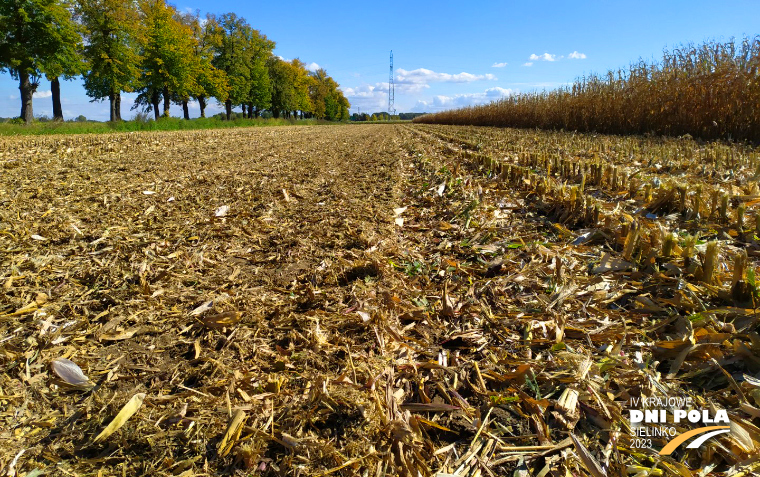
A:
163, 124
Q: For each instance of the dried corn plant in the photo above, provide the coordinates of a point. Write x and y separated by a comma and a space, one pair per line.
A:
709, 91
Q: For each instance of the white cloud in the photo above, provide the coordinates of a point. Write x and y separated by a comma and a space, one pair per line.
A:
440, 102
312, 66
424, 76
577, 56
13, 96
369, 98
363, 91
499, 65
43, 94
544, 57
530, 63
380, 89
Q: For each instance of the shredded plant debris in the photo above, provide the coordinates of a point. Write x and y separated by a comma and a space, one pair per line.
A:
372, 300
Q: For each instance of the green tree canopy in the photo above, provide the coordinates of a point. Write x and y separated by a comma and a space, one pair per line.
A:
282, 76
210, 82
110, 49
147, 46
240, 53
168, 62
327, 99
37, 37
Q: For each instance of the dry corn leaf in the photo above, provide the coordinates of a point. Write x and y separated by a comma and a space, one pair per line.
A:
432, 407
202, 308
611, 264
231, 435
751, 380
222, 320
129, 409
588, 460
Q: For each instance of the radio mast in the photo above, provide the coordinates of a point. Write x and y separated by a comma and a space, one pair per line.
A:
391, 91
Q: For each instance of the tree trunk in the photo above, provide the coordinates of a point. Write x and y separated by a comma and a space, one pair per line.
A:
276, 113
155, 100
202, 103
26, 87
112, 102
250, 110
256, 113
185, 110
55, 88
245, 110
167, 102
228, 108
118, 105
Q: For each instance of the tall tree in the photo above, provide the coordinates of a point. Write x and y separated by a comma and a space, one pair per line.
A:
318, 91
327, 99
168, 62
110, 50
210, 82
260, 97
284, 97
241, 51
232, 58
67, 62
32, 34
260, 93
301, 83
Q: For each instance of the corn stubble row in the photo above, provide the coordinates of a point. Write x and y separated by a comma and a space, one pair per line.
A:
637, 210
710, 91
675, 246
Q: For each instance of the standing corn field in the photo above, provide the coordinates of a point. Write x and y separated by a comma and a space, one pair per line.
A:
709, 91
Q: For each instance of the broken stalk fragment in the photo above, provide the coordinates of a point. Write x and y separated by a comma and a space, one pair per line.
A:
741, 291
740, 219
723, 214
711, 259
668, 245
630, 241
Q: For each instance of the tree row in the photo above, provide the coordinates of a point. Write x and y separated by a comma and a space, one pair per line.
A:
166, 57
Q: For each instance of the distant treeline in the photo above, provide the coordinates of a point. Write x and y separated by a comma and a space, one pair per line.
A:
711, 91
384, 116
148, 47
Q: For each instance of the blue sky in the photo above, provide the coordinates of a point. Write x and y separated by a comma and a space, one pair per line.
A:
451, 53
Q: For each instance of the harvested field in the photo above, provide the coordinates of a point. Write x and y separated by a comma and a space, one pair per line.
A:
374, 300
